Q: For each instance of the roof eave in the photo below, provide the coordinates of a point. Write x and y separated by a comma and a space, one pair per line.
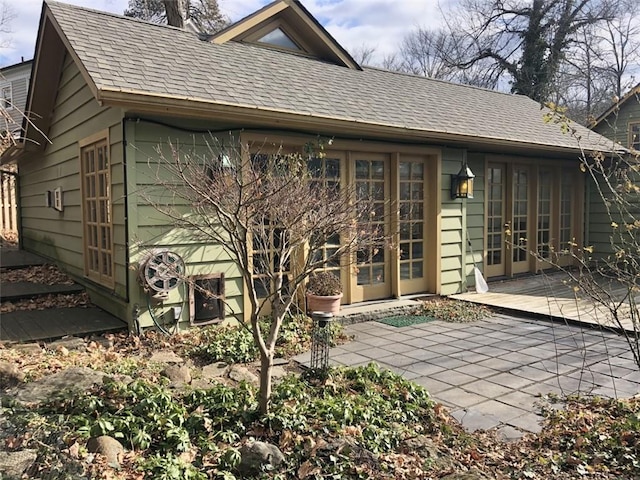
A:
616, 106
144, 102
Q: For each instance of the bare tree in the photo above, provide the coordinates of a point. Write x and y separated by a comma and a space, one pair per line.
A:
524, 40
426, 52
273, 215
205, 14
6, 17
363, 54
621, 37
580, 84
600, 65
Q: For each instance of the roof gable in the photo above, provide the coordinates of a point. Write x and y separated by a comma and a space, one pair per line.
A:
633, 93
287, 25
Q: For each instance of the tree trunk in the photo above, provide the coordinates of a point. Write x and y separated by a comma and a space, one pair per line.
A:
175, 15
266, 365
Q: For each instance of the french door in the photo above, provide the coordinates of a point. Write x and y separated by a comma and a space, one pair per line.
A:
508, 214
373, 277
411, 222
529, 209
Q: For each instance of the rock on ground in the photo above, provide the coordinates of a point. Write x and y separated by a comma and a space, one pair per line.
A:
108, 446
70, 343
14, 464
10, 375
240, 374
46, 388
214, 370
178, 374
166, 356
257, 455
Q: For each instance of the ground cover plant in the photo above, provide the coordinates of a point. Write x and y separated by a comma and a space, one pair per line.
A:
449, 310
235, 343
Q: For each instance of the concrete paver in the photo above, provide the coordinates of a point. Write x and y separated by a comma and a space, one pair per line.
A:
494, 373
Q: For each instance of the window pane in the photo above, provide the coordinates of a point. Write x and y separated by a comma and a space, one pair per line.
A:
405, 170
280, 39
404, 250
405, 271
416, 250
364, 277
417, 171
405, 191
378, 274
362, 169
416, 231
377, 170
315, 167
333, 168
416, 269
404, 231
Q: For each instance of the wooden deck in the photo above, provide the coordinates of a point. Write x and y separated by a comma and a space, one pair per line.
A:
552, 295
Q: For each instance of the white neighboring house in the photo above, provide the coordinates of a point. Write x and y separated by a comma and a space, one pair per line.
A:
14, 87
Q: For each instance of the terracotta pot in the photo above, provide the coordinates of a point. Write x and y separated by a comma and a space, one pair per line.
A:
329, 304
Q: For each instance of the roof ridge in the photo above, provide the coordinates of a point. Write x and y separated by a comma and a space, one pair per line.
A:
440, 80
111, 14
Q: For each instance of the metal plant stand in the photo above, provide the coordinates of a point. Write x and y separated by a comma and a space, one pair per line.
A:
320, 341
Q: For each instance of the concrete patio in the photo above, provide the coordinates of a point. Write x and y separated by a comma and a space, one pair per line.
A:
494, 373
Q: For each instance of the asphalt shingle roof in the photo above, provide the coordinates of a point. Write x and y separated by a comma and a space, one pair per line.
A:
124, 54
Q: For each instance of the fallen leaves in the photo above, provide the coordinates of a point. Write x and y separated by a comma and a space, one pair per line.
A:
44, 274
46, 302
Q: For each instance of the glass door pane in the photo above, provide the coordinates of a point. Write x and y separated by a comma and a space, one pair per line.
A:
544, 213
372, 265
520, 220
566, 234
495, 220
411, 225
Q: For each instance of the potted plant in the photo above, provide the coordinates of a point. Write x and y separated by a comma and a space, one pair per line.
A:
324, 292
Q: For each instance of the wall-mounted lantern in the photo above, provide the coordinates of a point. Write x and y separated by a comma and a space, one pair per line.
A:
462, 183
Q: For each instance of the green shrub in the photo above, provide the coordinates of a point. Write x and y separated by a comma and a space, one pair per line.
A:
235, 344
168, 467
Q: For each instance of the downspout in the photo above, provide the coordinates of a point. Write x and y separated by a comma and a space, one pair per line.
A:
587, 211
127, 259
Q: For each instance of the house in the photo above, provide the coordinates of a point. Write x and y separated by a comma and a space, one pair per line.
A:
107, 90
621, 121
14, 83
621, 124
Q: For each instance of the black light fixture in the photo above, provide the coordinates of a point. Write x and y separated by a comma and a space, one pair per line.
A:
462, 183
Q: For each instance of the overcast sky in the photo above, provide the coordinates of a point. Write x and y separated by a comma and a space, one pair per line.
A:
379, 23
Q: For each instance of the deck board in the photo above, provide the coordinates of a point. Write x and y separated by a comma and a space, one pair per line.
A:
549, 295
33, 325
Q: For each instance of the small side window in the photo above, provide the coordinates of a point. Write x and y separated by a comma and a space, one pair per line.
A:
634, 136
7, 101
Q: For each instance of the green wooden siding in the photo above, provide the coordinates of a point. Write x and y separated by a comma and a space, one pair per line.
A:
616, 125
59, 235
453, 235
475, 219
151, 229
598, 221
601, 235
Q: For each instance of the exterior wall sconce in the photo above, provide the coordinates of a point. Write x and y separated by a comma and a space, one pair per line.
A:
462, 183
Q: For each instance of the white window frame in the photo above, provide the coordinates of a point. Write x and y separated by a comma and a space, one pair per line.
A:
7, 103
